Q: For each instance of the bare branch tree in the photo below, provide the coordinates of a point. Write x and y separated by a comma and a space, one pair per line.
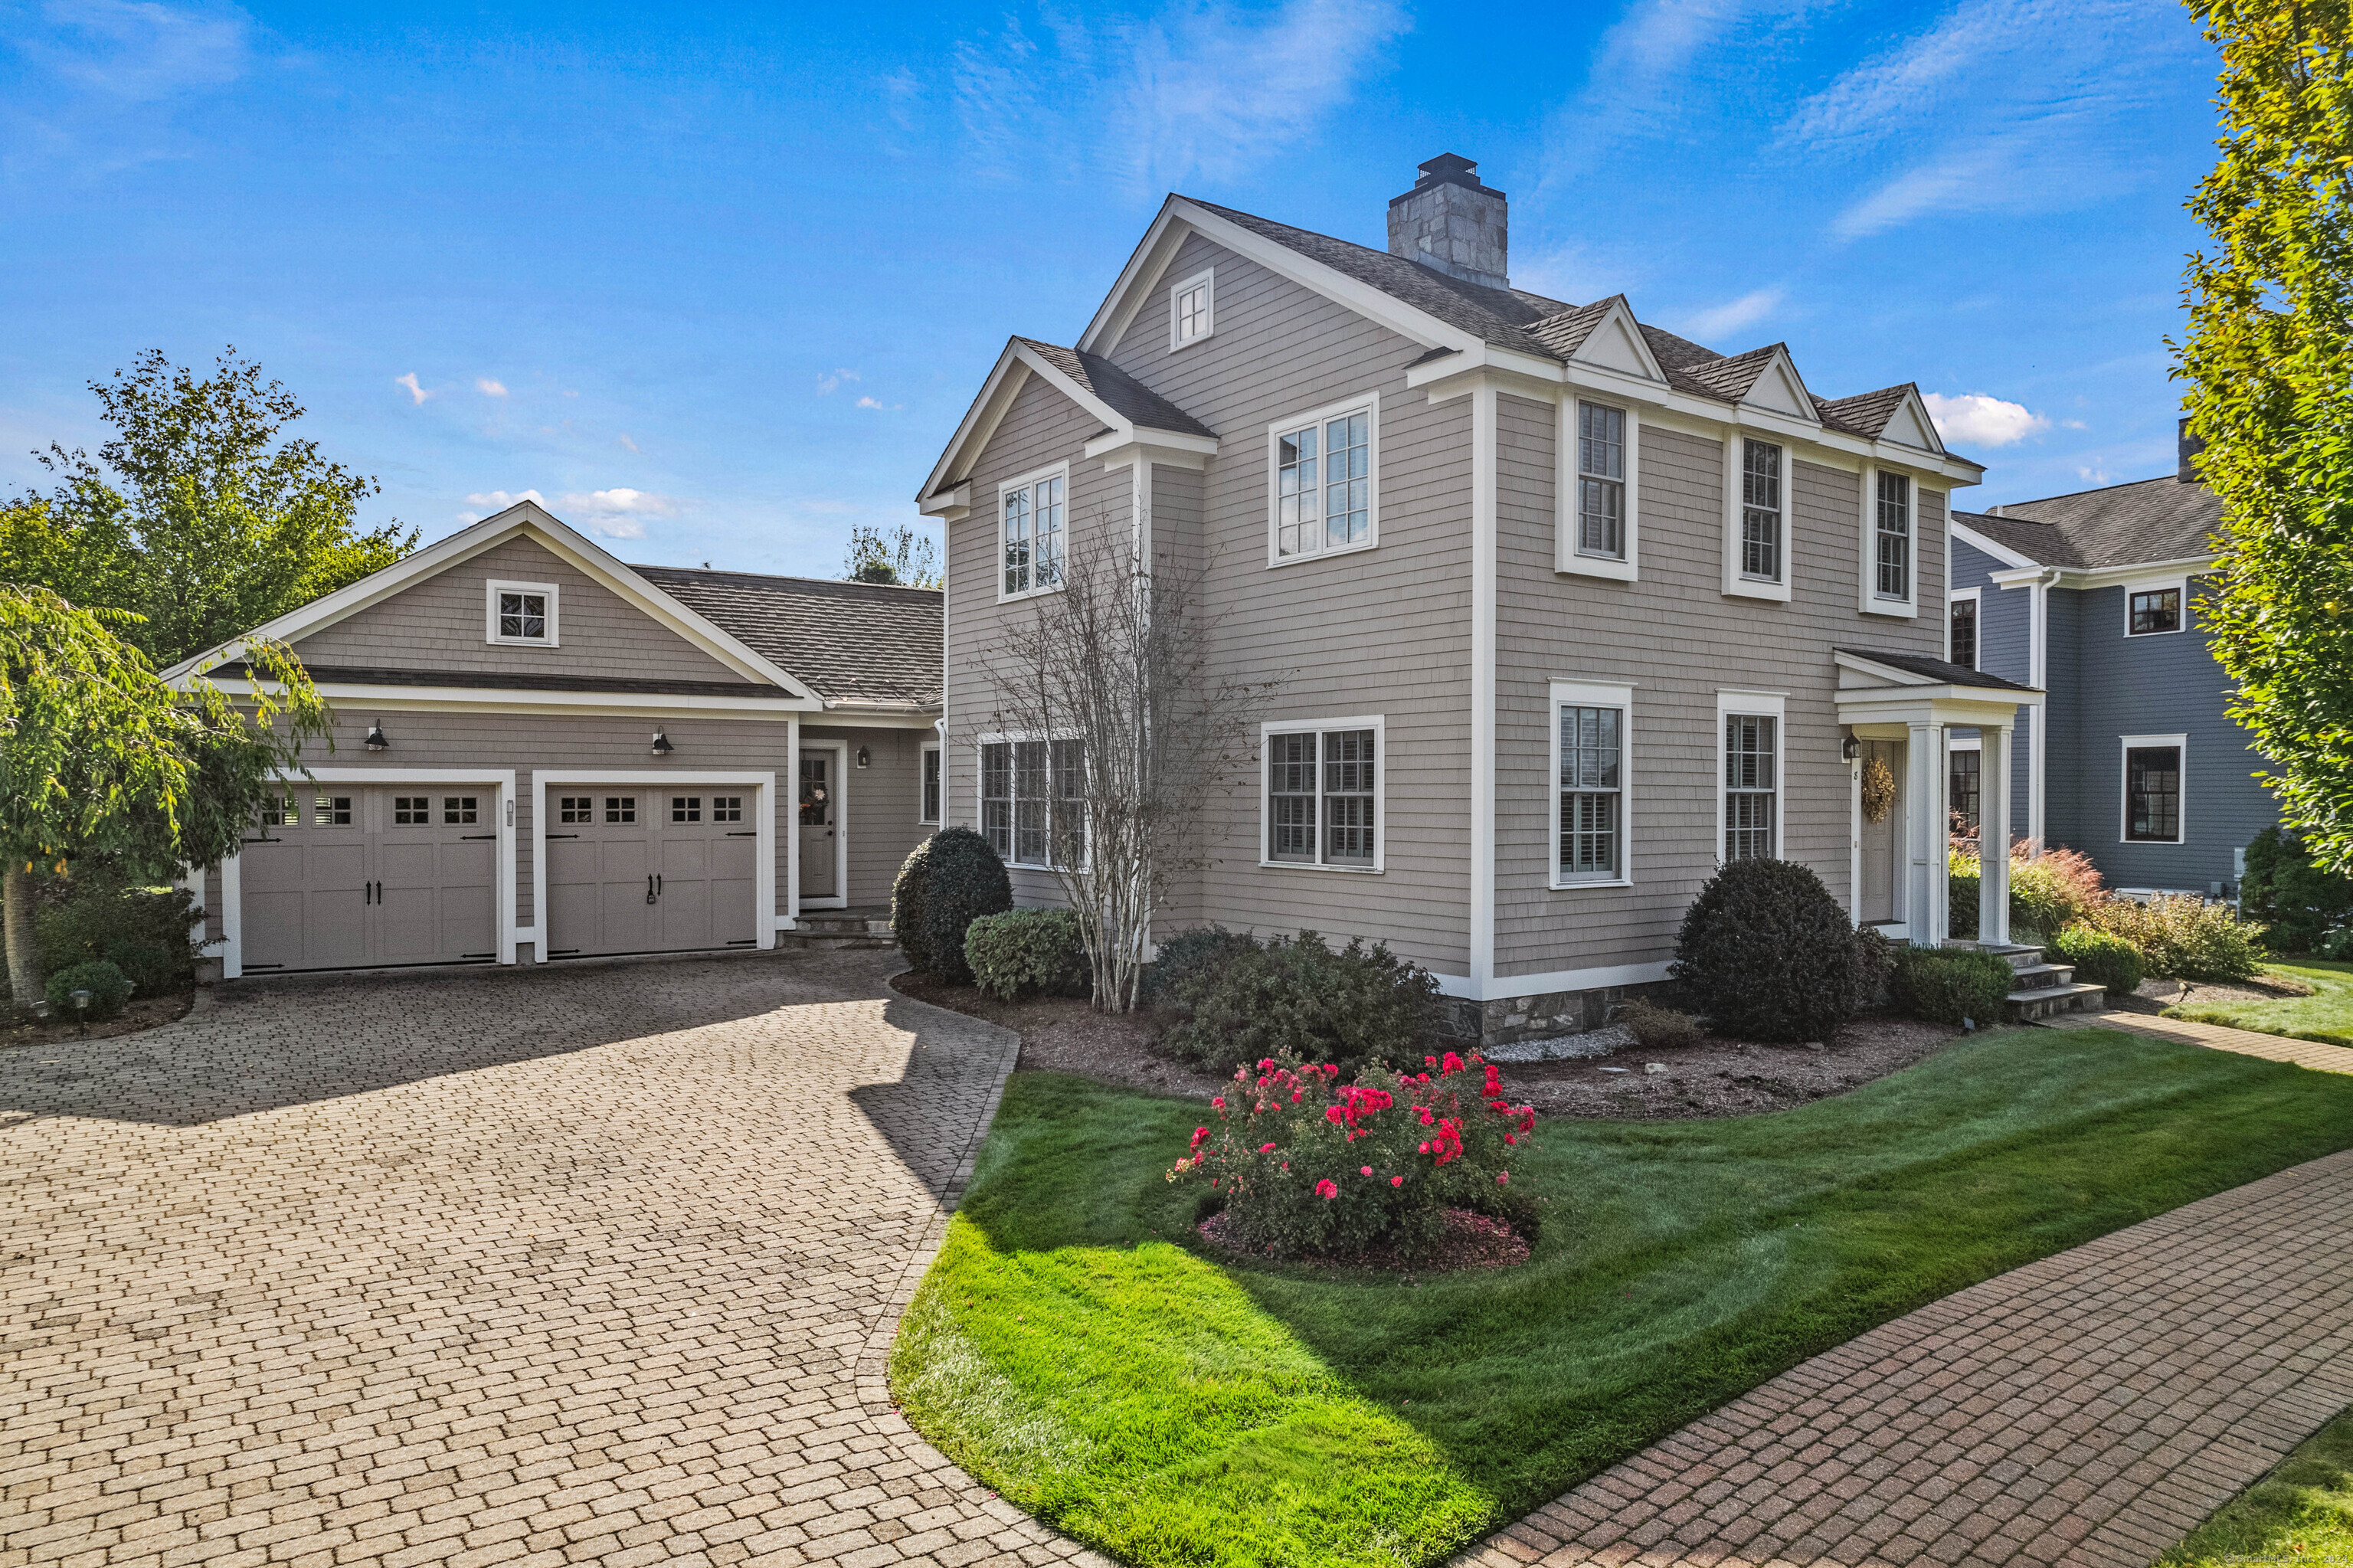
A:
1126, 719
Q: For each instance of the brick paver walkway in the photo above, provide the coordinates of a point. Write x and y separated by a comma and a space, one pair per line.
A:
548, 1268
2312, 1053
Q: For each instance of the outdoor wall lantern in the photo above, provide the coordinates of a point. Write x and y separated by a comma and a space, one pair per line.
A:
1850, 748
864, 756
376, 740
663, 748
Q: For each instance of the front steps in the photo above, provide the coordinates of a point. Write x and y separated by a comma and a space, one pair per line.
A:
837, 929
2043, 988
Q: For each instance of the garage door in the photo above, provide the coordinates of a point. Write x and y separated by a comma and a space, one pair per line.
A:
653, 868
351, 876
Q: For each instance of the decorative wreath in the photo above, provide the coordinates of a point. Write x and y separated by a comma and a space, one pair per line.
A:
1878, 789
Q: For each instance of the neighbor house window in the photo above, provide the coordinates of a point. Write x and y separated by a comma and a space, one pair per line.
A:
2152, 610
522, 613
1602, 481
1191, 310
1323, 794
1323, 479
1032, 800
1749, 785
1033, 513
1590, 828
1961, 785
929, 810
1962, 640
2153, 790
1760, 511
1892, 549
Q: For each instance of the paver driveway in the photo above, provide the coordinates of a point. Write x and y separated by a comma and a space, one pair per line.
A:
557, 1266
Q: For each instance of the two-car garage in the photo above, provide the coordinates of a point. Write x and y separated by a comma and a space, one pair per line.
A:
651, 868
344, 876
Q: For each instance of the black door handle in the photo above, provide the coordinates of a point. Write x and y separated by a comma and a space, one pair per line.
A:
658, 884
649, 887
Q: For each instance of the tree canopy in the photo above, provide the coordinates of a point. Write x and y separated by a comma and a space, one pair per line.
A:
900, 555
2268, 359
200, 515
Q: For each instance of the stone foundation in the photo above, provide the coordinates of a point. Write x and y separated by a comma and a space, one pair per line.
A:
1507, 1021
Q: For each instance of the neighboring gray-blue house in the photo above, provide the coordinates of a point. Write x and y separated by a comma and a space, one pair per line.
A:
2133, 759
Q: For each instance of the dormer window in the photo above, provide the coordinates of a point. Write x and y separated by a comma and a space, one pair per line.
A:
522, 614
1892, 557
1760, 512
1192, 310
1892, 526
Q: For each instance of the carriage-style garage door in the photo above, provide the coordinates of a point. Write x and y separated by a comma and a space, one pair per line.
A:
353, 876
650, 868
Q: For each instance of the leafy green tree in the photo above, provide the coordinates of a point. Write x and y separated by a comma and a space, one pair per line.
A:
900, 555
98, 757
2268, 358
200, 515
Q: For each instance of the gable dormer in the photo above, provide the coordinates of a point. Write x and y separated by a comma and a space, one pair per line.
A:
1614, 341
1910, 425
1779, 389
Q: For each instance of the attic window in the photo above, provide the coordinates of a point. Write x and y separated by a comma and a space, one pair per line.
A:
1192, 310
522, 614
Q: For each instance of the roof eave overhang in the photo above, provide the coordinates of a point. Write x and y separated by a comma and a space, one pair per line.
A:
2137, 571
1896, 687
498, 699
1174, 449
2000, 552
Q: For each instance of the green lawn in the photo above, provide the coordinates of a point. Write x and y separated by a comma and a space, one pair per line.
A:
2326, 1015
1070, 1349
2301, 1512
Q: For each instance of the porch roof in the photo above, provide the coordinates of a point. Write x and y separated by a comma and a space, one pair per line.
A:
1876, 687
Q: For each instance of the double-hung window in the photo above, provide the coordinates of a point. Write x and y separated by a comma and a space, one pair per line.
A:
1031, 515
1591, 772
1602, 481
1751, 783
1761, 507
1192, 310
1961, 629
1323, 794
1891, 539
928, 809
1324, 483
2152, 805
1033, 800
521, 613
1964, 783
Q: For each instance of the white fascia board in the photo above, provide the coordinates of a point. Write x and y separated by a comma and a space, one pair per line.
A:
509, 700
1994, 547
2024, 576
1137, 280
924, 719
2117, 576
980, 421
1041, 366
1120, 447
950, 505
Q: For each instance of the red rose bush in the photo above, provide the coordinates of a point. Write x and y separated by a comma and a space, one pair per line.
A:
1304, 1163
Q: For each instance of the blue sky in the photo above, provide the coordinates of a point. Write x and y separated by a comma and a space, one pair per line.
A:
718, 286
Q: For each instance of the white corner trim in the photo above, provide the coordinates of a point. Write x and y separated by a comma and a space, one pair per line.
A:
1486, 569
1207, 282
493, 587
1567, 559
1617, 695
765, 925
1369, 404
2124, 786
1378, 725
1737, 584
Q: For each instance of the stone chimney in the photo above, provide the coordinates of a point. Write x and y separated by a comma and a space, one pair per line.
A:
2185, 445
1450, 221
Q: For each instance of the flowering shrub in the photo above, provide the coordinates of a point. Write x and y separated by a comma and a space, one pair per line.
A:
1305, 1164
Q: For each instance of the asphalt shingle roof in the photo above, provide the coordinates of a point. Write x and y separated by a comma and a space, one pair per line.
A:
853, 641
1938, 670
2121, 525
1130, 398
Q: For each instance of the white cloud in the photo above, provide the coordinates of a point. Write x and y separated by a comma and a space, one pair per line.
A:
626, 442
1733, 315
2095, 475
1975, 419
138, 51
1202, 89
415, 394
487, 502
490, 388
825, 383
1650, 66
617, 514
876, 403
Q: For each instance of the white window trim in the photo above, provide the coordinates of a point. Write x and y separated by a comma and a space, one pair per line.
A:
2124, 784
495, 586
1735, 584
1377, 723
1207, 280
1060, 471
1868, 596
980, 784
1731, 699
2157, 584
1970, 596
1370, 402
1565, 557
930, 748
1594, 695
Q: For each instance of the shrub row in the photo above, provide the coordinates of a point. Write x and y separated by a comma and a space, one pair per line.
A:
97, 913
2306, 908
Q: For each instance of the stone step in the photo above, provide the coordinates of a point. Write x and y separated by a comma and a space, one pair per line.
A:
2035, 976
2016, 955
2042, 1002
830, 923
817, 940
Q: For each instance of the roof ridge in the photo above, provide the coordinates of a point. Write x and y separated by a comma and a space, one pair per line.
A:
2100, 490
782, 577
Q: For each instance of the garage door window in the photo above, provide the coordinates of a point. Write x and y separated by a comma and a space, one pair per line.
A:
686, 808
460, 811
411, 810
727, 807
577, 808
331, 811
620, 808
281, 810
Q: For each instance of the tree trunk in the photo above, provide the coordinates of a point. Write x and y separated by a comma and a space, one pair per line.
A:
24, 964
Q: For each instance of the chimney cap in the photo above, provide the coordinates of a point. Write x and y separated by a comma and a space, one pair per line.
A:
1447, 169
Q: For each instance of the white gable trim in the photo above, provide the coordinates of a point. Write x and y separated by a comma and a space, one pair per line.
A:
1138, 282
980, 421
1779, 389
1999, 551
1014, 368
1910, 425
1616, 343
526, 519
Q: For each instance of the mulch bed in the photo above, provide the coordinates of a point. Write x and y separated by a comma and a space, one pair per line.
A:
2157, 995
1714, 1077
1471, 1241
140, 1013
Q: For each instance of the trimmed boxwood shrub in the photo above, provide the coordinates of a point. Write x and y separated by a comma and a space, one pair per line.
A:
2100, 959
1027, 950
1950, 985
1297, 999
907, 907
1766, 953
108, 988
961, 880
1190, 952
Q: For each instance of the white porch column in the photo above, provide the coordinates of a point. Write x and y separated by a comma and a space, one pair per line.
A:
788, 807
1926, 913
1993, 834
